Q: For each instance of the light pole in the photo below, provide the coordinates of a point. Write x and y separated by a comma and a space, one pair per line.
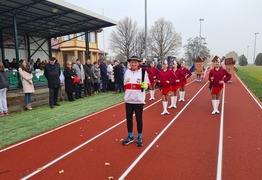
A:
200, 39
200, 27
255, 47
145, 29
247, 53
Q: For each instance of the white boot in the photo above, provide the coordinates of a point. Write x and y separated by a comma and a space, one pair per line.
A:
165, 108
214, 104
151, 95
173, 102
183, 95
217, 104
180, 95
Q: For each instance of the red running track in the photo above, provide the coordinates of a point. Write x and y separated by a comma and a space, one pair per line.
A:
182, 145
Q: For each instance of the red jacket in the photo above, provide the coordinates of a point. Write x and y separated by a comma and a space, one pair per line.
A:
164, 76
187, 74
178, 75
152, 74
220, 75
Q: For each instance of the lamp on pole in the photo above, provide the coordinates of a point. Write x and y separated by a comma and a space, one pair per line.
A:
145, 29
200, 43
247, 53
200, 27
255, 47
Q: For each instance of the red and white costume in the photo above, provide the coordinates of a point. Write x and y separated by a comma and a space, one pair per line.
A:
219, 75
165, 78
187, 74
132, 86
152, 75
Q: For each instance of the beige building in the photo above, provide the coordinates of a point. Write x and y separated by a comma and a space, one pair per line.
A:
73, 46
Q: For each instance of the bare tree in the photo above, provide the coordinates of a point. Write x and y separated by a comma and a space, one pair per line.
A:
163, 39
122, 39
139, 47
196, 47
232, 54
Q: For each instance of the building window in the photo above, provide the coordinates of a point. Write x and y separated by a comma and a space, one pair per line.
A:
71, 36
81, 36
92, 37
65, 38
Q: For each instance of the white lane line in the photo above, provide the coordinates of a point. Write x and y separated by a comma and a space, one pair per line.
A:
90, 140
60, 127
221, 133
159, 135
81, 145
252, 95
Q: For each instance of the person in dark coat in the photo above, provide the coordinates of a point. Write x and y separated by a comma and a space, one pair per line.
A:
88, 78
118, 74
52, 73
69, 74
103, 75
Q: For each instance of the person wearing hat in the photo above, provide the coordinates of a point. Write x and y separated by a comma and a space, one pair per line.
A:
165, 77
52, 73
217, 77
134, 98
183, 81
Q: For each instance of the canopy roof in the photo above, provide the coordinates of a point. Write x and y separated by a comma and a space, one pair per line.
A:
48, 18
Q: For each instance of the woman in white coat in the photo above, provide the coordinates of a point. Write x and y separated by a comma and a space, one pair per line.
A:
27, 81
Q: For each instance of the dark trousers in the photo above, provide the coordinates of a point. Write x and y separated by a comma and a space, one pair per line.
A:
70, 96
78, 93
88, 88
104, 83
53, 96
138, 109
95, 86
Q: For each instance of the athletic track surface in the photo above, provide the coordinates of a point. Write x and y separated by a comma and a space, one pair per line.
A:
190, 143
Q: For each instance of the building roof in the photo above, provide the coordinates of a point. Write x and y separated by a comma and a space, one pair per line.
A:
49, 18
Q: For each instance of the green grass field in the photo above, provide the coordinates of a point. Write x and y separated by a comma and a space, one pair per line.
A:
252, 77
21, 125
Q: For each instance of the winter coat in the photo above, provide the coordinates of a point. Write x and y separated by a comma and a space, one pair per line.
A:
4, 81
80, 72
132, 86
103, 71
27, 82
88, 73
118, 74
52, 74
69, 82
96, 73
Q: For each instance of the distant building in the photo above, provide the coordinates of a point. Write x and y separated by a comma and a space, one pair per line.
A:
73, 46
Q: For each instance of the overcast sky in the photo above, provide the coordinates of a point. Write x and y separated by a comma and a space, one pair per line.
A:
229, 25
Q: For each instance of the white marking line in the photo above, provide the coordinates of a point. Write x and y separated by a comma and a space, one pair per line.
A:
252, 95
60, 127
81, 145
159, 135
220, 145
